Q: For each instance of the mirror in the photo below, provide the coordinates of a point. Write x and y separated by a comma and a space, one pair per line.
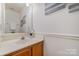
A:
18, 18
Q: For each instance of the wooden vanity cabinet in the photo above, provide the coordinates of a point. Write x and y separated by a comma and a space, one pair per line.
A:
37, 49
25, 52
22, 52
33, 50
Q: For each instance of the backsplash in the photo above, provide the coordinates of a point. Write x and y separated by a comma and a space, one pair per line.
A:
11, 36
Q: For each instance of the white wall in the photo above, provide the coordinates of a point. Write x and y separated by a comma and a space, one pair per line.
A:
0, 18
38, 17
61, 46
60, 22
0, 22
0, 13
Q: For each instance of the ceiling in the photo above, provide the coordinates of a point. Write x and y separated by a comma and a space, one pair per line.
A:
18, 7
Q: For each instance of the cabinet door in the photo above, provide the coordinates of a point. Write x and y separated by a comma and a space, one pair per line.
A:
25, 52
37, 49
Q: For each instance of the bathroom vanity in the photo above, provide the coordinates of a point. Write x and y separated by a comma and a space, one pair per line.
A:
27, 47
33, 50
18, 25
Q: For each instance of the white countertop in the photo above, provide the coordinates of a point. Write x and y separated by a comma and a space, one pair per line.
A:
14, 45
